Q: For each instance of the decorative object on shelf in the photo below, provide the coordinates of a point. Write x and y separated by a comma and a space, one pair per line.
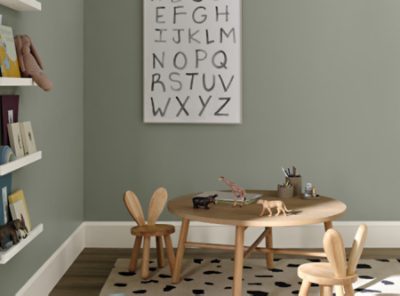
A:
273, 204
150, 229
237, 191
14, 133
28, 139
295, 179
9, 114
6, 154
203, 201
19, 208
30, 63
192, 62
12, 231
8, 56
308, 189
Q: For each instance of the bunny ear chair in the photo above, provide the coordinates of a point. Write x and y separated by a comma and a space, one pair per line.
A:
144, 231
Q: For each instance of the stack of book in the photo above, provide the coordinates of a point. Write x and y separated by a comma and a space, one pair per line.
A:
226, 197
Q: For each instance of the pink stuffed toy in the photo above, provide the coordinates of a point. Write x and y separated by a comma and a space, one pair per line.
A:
30, 63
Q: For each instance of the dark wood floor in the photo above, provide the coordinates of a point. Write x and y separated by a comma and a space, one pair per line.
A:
88, 273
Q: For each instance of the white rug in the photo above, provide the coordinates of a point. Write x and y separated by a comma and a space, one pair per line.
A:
214, 277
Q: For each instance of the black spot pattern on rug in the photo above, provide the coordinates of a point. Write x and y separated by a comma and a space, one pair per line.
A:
198, 292
264, 276
153, 268
228, 288
314, 260
231, 278
366, 277
293, 265
295, 292
127, 273
383, 260
257, 293
149, 282
164, 276
120, 284
282, 284
208, 272
168, 288
219, 266
188, 279
363, 266
215, 261
312, 284
209, 283
277, 259
367, 290
247, 267
276, 270
198, 260
139, 292
387, 283
255, 284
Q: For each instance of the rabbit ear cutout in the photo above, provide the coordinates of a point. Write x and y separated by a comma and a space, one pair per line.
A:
156, 205
334, 249
132, 203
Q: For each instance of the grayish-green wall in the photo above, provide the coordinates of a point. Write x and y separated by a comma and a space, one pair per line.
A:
321, 91
54, 185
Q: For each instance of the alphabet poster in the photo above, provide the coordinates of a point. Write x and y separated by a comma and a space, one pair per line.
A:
192, 61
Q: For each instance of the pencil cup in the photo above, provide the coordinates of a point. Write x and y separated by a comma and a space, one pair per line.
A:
285, 191
296, 183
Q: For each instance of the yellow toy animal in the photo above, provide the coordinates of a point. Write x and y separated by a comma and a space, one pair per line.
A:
270, 204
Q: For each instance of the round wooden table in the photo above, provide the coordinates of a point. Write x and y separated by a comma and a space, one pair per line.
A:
305, 211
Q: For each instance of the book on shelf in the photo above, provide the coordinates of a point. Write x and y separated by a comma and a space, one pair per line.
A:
19, 208
5, 190
9, 114
9, 66
28, 139
14, 133
226, 197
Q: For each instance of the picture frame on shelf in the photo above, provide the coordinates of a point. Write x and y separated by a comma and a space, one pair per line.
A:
19, 208
14, 133
28, 138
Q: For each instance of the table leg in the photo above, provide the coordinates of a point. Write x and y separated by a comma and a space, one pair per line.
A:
135, 253
268, 244
238, 267
160, 252
146, 257
176, 277
328, 225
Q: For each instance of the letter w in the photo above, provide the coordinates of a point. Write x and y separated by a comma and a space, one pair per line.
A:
159, 110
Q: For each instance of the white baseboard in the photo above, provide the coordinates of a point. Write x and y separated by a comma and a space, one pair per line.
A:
48, 275
117, 235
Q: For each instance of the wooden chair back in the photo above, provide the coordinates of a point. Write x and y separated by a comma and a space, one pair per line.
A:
357, 248
156, 205
334, 249
134, 207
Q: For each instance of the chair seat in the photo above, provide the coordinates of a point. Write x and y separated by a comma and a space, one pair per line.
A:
322, 274
153, 230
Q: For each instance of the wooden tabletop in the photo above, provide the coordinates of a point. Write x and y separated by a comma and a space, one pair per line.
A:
306, 211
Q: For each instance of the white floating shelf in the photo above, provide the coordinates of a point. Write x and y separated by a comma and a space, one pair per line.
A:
19, 163
22, 5
5, 256
12, 81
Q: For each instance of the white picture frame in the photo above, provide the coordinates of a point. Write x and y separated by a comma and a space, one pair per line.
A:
14, 133
28, 138
192, 63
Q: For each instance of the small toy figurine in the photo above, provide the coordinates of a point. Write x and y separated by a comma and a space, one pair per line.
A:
11, 230
237, 191
203, 201
270, 204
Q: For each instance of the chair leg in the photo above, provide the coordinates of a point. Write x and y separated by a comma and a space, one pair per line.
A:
170, 252
348, 290
305, 286
160, 252
146, 257
325, 290
135, 253
339, 291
